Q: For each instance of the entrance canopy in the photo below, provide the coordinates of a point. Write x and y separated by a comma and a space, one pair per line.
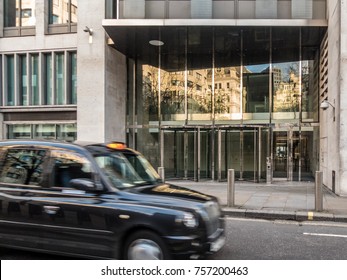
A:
222, 42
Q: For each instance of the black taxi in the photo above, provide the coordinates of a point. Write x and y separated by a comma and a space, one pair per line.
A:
100, 201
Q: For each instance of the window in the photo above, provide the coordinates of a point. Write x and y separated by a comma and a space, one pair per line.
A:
35, 98
39, 79
44, 131
10, 80
111, 9
64, 13
19, 13
19, 17
59, 78
72, 94
23, 82
23, 166
61, 131
48, 80
68, 166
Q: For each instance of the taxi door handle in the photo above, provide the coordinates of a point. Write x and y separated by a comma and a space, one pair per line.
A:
51, 210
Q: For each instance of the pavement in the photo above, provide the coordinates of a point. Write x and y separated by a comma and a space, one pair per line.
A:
280, 200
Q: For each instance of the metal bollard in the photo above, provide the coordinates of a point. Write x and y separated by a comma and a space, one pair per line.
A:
161, 172
319, 191
231, 188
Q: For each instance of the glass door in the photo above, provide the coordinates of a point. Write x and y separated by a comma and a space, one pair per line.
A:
280, 154
187, 153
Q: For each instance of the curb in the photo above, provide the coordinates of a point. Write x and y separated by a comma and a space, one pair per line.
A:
284, 215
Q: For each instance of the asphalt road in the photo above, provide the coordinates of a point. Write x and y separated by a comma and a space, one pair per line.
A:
260, 240
283, 240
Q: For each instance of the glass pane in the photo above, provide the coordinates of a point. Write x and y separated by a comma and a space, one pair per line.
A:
23, 166
309, 91
59, 78
11, 12
281, 151
147, 141
23, 83
148, 103
233, 146
28, 13
48, 92
227, 77
44, 131
73, 11
199, 76
19, 131
249, 154
205, 154
172, 103
255, 80
35, 98
309, 74
286, 73
59, 11
66, 132
110, 9
68, 166
73, 79
10, 80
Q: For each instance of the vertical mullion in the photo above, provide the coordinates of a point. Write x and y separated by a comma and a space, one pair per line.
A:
65, 77
54, 79
16, 79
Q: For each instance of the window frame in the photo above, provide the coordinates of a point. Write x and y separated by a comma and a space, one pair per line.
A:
4, 152
20, 30
52, 164
62, 94
60, 28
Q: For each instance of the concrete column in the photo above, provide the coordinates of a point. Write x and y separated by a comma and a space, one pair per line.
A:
101, 91
91, 83
341, 101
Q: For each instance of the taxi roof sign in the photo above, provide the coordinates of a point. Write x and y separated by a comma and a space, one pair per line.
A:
116, 146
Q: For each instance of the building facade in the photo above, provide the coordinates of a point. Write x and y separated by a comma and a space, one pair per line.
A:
198, 86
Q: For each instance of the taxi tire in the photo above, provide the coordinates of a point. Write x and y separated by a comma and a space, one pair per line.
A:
144, 240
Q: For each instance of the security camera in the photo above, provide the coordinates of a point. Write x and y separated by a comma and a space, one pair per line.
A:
89, 30
324, 105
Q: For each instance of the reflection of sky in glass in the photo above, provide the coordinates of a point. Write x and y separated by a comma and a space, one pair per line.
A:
257, 68
284, 67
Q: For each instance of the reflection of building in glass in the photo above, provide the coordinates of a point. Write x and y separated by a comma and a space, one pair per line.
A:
227, 90
199, 90
19, 13
255, 92
63, 11
287, 95
27, 13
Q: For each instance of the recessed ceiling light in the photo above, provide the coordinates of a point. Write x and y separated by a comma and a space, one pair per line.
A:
156, 43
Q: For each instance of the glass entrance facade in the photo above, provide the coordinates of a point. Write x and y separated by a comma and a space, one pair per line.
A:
204, 99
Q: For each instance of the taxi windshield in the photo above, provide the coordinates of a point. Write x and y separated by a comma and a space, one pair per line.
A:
126, 170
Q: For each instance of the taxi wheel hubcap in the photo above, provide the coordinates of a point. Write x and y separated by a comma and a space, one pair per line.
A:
144, 249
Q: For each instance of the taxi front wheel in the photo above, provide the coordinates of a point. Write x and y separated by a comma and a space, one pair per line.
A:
145, 245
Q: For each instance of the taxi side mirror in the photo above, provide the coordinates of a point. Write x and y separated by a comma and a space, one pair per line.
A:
84, 185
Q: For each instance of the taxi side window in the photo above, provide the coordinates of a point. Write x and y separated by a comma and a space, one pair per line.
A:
23, 166
68, 166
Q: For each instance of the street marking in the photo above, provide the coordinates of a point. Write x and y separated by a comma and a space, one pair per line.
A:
325, 234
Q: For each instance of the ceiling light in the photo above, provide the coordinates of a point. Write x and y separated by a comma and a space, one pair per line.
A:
156, 43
